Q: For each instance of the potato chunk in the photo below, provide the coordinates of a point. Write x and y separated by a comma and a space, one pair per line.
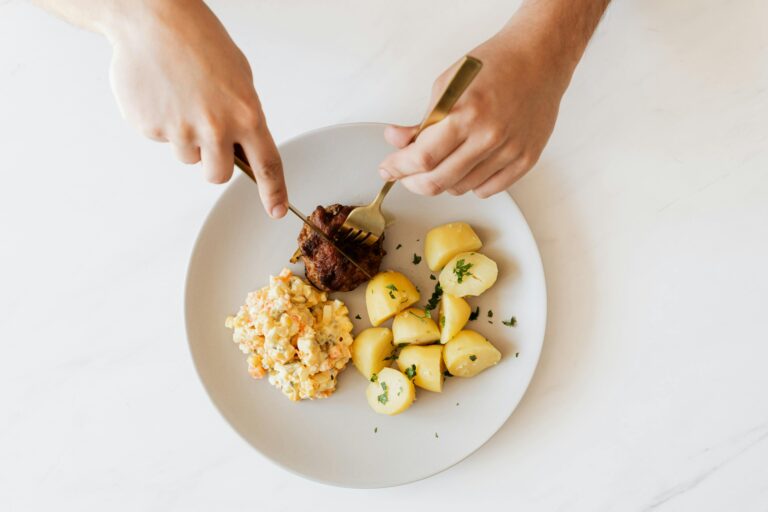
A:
413, 326
444, 242
387, 294
468, 273
424, 365
390, 392
370, 348
468, 353
454, 315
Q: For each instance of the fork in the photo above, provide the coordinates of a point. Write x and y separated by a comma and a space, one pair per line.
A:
366, 224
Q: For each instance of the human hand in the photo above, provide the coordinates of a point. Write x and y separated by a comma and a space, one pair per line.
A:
498, 128
179, 78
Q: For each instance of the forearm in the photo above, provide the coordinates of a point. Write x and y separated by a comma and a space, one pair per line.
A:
556, 30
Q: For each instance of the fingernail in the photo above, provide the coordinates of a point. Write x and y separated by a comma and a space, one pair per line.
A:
385, 174
278, 211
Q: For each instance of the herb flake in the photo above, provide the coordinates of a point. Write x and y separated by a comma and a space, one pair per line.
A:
472, 357
384, 397
432, 277
416, 259
398, 247
511, 322
410, 372
475, 314
434, 299
461, 269
358, 317
392, 289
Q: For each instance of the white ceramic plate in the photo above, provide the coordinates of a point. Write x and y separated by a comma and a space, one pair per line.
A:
340, 440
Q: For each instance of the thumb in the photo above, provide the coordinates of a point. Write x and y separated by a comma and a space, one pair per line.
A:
400, 136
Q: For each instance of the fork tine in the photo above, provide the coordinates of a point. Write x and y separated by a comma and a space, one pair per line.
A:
362, 236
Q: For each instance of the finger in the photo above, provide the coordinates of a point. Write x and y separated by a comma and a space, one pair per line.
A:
432, 146
400, 136
187, 154
267, 166
218, 161
451, 170
483, 171
503, 179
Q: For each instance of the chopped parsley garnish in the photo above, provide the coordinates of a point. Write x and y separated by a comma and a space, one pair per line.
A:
432, 277
358, 317
410, 372
446, 373
461, 270
490, 313
416, 259
374, 377
472, 357
395, 353
421, 317
392, 288
517, 354
398, 246
434, 299
442, 321
511, 322
436, 436
384, 397
490, 321
376, 429
457, 404
475, 314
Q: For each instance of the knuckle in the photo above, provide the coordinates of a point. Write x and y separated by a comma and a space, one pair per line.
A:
424, 161
270, 169
213, 128
493, 137
527, 160
151, 132
483, 193
432, 187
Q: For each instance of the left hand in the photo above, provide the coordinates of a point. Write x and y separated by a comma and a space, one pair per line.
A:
496, 131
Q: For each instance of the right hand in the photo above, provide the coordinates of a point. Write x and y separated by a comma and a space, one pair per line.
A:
179, 78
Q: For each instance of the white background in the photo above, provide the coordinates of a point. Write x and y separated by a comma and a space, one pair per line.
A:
650, 207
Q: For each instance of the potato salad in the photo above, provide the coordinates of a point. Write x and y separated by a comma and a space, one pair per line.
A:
295, 335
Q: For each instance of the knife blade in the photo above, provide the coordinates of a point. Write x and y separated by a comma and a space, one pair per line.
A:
242, 164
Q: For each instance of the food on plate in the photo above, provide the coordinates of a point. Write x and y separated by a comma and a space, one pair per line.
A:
370, 350
468, 273
387, 294
413, 326
424, 365
390, 392
444, 242
295, 335
454, 315
469, 353
324, 266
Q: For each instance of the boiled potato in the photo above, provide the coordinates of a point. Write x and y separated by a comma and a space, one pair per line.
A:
454, 315
424, 365
387, 294
468, 353
413, 326
390, 392
468, 273
444, 242
370, 348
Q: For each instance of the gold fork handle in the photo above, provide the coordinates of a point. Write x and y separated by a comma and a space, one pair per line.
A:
468, 70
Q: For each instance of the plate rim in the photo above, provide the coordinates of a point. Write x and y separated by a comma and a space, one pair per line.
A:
241, 435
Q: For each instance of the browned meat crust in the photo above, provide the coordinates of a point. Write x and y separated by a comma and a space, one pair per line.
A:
324, 266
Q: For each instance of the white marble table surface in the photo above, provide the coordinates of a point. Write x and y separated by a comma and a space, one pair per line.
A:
650, 207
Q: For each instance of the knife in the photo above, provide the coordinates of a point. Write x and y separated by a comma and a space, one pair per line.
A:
242, 163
